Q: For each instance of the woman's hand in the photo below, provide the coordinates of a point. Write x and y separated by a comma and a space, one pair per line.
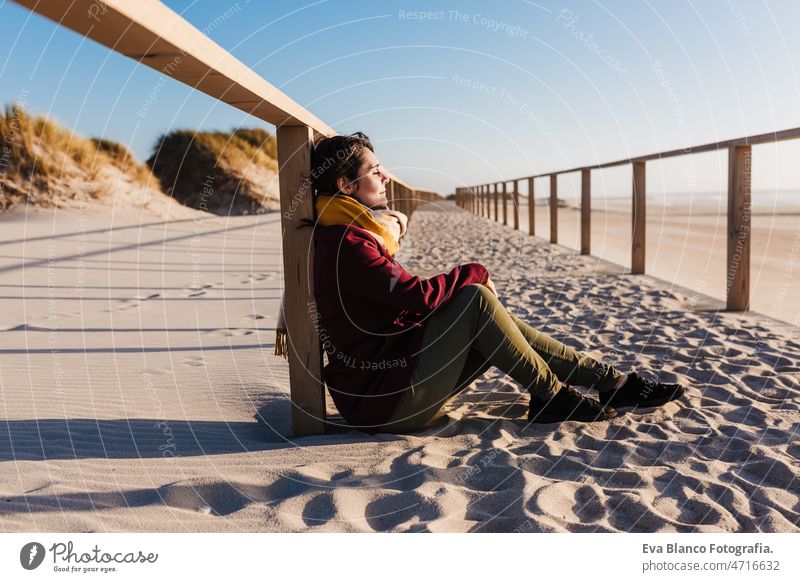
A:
490, 284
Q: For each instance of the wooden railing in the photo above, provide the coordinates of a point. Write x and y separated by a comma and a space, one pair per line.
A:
480, 200
152, 34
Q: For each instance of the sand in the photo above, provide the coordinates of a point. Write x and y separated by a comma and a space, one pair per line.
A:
687, 245
139, 393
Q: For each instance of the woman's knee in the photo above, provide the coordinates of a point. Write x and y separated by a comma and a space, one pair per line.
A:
473, 293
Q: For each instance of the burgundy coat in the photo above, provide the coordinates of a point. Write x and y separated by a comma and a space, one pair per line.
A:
371, 315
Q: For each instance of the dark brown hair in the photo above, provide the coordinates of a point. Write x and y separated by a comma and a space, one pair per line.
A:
332, 158
336, 157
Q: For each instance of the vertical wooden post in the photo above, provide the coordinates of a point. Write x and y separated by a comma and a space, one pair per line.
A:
638, 219
515, 202
390, 194
739, 216
305, 352
554, 208
494, 194
505, 206
531, 223
586, 212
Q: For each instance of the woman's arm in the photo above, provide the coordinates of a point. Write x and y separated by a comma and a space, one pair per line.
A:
364, 271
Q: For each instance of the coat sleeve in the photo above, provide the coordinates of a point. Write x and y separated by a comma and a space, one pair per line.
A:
364, 271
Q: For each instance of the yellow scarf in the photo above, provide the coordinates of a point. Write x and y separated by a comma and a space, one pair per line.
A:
346, 210
387, 225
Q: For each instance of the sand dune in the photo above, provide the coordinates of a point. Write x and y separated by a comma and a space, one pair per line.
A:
140, 393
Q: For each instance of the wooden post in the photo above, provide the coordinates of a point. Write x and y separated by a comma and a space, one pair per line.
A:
305, 352
531, 223
638, 219
390, 194
554, 208
505, 206
739, 216
494, 195
586, 212
515, 201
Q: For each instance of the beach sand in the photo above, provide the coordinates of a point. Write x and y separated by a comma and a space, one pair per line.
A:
687, 245
140, 393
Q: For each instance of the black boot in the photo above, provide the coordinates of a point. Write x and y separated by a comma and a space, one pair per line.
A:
638, 391
568, 404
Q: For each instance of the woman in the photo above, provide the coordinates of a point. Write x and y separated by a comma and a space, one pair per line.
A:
399, 346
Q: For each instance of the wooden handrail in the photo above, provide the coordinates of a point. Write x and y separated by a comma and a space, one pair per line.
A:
739, 205
761, 138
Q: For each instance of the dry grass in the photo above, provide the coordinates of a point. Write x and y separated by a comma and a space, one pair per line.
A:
45, 164
41, 160
217, 171
38, 150
122, 158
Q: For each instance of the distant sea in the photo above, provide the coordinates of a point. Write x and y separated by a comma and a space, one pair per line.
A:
761, 199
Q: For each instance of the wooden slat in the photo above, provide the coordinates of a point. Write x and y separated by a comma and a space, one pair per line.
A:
495, 195
531, 200
505, 204
515, 201
305, 353
586, 212
554, 209
639, 219
739, 217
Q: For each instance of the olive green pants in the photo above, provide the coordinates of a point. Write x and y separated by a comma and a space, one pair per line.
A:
473, 332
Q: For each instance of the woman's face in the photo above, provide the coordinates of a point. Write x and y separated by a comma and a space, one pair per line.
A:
371, 182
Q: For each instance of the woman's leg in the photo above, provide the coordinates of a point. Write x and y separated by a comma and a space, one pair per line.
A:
474, 326
569, 365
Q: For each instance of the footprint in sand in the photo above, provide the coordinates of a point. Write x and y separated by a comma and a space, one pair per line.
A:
156, 371
253, 317
194, 362
574, 503
198, 290
212, 498
389, 512
230, 332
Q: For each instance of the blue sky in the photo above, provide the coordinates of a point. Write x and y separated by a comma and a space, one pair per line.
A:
471, 92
